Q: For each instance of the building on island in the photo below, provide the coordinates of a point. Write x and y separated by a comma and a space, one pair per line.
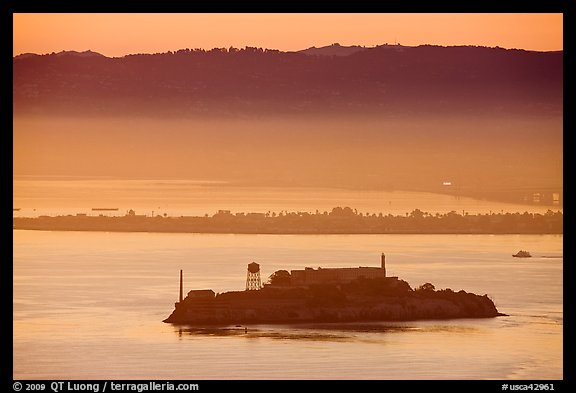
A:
310, 276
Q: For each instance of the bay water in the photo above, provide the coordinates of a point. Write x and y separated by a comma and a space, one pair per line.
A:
90, 305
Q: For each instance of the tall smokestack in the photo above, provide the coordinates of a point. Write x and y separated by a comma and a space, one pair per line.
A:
383, 261
182, 289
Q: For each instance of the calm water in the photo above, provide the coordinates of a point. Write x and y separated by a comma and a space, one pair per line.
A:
90, 305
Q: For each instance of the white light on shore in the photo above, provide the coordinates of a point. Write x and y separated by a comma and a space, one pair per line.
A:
447, 183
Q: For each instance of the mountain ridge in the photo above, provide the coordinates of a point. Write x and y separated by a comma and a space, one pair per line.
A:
381, 79
313, 50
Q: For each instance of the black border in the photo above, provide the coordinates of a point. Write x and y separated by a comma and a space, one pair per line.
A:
568, 267
357, 6
552, 6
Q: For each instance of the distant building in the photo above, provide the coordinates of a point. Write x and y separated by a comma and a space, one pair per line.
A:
201, 294
256, 215
309, 276
132, 213
201, 298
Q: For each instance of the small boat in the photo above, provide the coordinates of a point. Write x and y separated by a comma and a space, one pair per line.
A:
522, 254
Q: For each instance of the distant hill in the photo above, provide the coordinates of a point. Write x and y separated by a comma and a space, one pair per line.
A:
487, 121
87, 53
334, 79
333, 50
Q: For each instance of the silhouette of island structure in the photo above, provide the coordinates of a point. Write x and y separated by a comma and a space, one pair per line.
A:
338, 221
326, 295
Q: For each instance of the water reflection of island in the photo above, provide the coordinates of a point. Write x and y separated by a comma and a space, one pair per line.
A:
338, 221
332, 332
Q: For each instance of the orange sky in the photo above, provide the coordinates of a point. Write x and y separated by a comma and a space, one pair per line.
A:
120, 34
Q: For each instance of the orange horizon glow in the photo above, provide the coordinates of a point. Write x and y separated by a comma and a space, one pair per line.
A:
121, 34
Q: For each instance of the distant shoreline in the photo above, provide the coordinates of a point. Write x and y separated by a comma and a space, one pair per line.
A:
338, 221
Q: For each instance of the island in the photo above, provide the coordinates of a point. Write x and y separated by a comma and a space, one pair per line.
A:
325, 295
338, 221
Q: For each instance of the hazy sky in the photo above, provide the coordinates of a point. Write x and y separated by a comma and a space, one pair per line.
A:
120, 34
